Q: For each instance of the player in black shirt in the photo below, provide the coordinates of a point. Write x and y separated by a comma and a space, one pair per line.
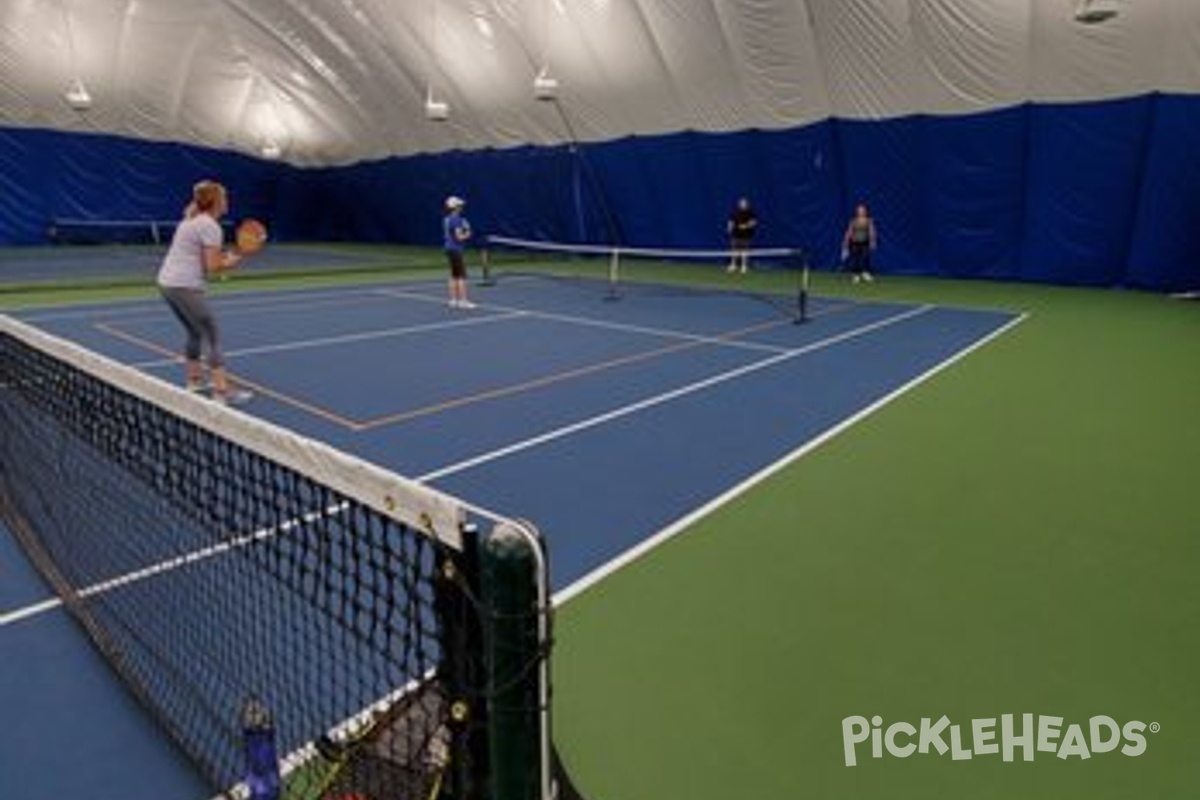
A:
741, 226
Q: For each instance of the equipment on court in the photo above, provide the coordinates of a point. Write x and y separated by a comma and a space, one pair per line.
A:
645, 270
214, 557
251, 236
262, 762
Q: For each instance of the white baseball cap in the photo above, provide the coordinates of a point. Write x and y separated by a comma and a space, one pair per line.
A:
454, 201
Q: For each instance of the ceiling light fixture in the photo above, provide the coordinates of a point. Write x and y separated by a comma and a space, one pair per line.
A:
1091, 12
545, 86
435, 110
77, 96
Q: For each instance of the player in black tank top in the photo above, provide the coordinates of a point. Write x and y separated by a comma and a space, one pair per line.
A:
858, 243
741, 226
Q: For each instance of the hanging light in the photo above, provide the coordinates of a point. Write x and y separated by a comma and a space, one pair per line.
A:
77, 96
1090, 12
545, 86
436, 110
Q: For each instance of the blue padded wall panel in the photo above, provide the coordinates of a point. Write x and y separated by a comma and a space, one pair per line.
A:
1081, 187
677, 190
24, 192
49, 174
883, 165
1166, 241
975, 183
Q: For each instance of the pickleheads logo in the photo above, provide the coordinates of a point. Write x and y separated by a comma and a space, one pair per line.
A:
1027, 734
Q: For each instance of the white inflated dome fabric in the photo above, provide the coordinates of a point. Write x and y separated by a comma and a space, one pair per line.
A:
329, 82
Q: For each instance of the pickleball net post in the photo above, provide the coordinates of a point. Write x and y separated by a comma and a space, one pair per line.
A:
485, 262
213, 557
800, 263
614, 275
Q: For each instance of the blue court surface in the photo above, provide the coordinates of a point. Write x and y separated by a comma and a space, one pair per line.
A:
609, 424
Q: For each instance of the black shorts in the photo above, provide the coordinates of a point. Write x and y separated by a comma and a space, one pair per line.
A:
458, 268
859, 259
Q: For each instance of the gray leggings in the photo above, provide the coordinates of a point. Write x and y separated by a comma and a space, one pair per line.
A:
192, 309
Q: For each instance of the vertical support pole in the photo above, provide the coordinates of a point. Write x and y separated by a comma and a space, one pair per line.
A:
463, 668
802, 279
485, 258
517, 638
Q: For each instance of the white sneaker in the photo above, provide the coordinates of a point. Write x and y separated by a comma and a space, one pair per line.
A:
234, 397
203, 387
465, 304
855, 278
868, 277
744, 268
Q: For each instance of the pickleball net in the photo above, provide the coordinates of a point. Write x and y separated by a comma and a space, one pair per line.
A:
619, 271
238, 576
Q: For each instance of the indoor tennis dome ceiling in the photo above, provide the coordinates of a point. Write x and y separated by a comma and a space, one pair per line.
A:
1004, 139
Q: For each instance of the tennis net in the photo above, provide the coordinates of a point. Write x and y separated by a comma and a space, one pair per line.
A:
242, 578
618, 270
65, 230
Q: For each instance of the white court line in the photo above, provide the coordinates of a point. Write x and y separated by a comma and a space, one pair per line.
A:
172, 564
568, 430
494, 455
262, 300
674, 394
384, 333
665, 333
686, 521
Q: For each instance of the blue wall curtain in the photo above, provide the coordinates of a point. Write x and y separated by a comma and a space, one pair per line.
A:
1102, 194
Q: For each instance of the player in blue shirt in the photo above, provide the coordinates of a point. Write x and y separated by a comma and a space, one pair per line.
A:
456, 233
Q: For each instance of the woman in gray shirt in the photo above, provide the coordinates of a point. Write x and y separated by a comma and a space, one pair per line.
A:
196, 252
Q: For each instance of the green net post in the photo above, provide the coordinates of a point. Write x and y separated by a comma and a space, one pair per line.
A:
516, 646
463, 670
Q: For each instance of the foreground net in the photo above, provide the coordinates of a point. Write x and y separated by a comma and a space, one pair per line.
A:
620, 271
239, 577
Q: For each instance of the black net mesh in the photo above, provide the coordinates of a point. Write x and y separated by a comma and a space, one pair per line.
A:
209, 574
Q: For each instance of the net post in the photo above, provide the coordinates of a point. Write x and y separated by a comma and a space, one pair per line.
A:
614, 274
485, 258
462, 667
517, 646
800, 258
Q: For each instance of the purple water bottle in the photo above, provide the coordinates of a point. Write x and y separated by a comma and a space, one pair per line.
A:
262, 763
